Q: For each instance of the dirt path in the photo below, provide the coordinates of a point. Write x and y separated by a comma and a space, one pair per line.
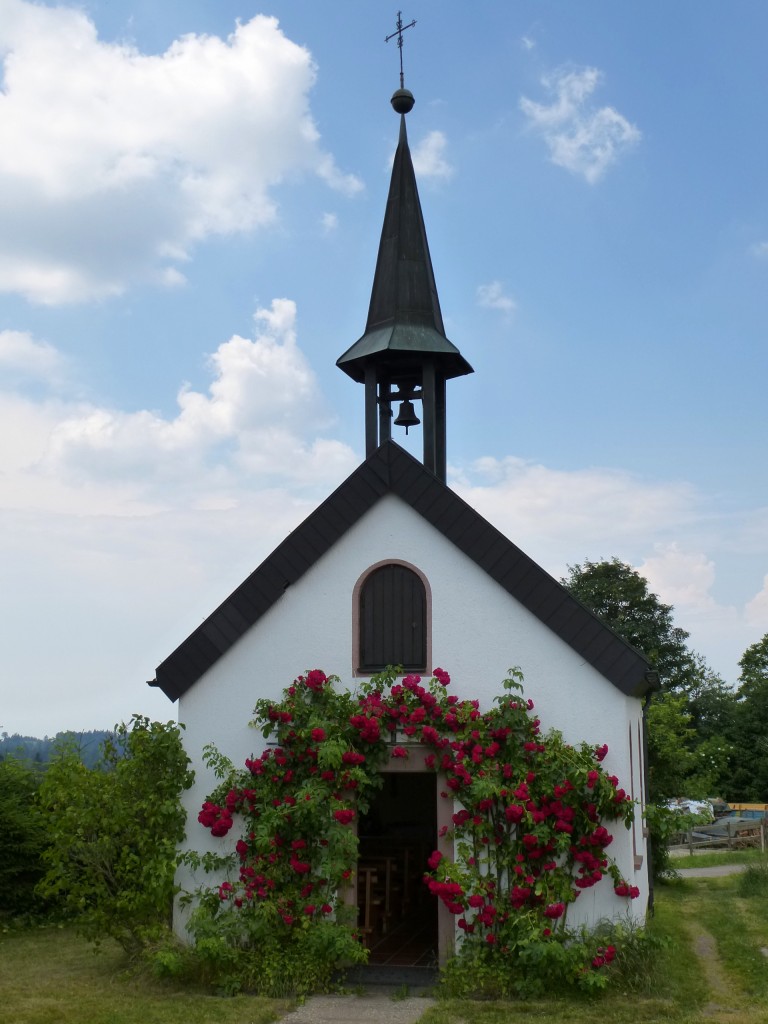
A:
705, 948
720, 1006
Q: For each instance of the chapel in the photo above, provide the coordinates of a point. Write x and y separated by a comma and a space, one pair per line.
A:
394, 568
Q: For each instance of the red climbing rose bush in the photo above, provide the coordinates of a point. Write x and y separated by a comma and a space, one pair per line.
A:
529, 834
278, 922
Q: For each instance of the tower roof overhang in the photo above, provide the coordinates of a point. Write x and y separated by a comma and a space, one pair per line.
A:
402, 345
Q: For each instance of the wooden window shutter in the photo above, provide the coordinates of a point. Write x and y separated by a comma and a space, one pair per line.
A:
393, 620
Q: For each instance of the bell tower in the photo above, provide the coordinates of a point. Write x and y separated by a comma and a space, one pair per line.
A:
404, 355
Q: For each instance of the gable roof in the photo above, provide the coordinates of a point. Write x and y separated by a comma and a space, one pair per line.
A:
391, 470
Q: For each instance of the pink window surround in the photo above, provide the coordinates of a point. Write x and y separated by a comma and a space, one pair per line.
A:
356, 670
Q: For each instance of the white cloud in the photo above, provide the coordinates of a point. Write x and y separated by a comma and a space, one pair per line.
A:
114, 163
21, 355
116, 593
172, 278
429, 157
128, 527
757, 609
664, 529
686, 579
260, 424
329, 222
527, 43
683, 579
546, 510
581, 138
760, 249
253, 419
492, 296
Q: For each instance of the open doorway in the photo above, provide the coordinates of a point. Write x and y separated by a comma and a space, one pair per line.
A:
398, 915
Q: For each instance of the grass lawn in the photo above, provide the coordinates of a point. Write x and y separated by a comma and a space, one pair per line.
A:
51, 976
712, 969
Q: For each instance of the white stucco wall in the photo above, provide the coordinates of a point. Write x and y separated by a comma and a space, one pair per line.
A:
478, 633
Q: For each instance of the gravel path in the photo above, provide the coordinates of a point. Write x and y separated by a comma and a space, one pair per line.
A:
717, 872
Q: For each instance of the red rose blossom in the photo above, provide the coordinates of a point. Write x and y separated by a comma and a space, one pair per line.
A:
315, 680
554, 910
352, 757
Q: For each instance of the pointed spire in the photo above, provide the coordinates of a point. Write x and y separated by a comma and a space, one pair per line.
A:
404, 288
404, 315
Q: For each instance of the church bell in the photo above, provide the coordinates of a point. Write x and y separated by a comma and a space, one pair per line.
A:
407, 416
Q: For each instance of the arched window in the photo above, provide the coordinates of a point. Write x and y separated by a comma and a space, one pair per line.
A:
392, 619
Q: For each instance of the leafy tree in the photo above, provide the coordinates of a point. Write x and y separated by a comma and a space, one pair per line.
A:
749, 731
711, 701
671, 762
711, 704
113, 832
22, 838
754, 664
620, 596
689, 721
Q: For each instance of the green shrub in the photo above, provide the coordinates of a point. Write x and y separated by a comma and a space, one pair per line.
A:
754, 882
113, 832
638, 951
662, 824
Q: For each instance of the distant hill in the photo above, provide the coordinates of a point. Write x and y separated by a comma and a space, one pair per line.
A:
41, 751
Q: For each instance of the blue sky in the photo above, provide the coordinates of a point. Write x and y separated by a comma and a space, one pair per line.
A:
191, 195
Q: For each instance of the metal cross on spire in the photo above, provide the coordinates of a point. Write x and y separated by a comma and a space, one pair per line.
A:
399, 33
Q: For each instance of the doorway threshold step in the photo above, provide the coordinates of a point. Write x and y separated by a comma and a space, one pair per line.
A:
391, 976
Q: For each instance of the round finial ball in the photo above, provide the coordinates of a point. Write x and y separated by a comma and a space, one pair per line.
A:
402, 101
